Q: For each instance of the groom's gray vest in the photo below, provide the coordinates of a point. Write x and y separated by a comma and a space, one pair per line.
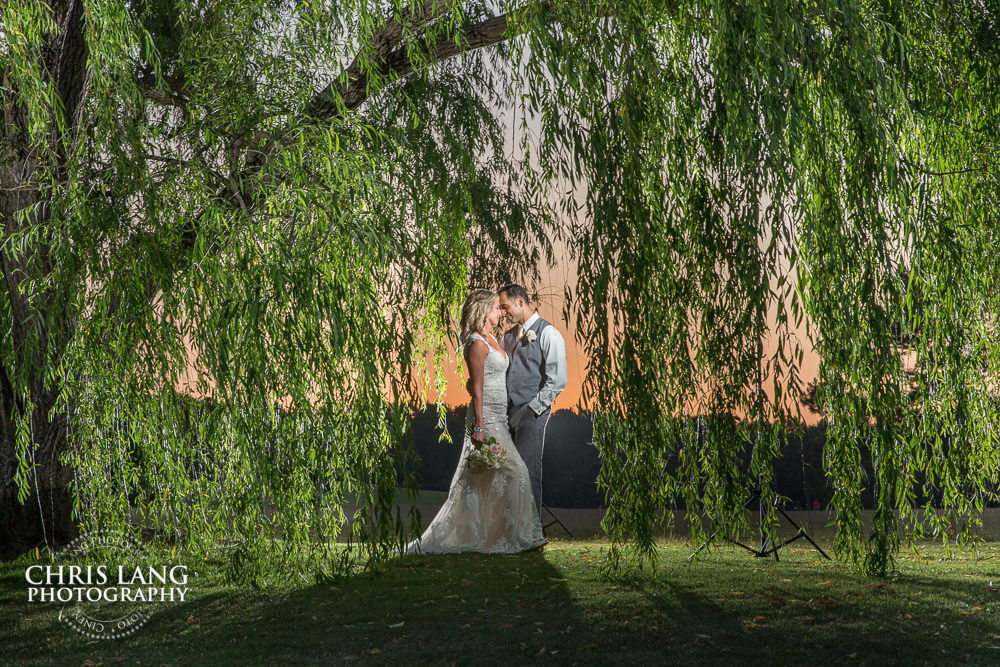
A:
525, 375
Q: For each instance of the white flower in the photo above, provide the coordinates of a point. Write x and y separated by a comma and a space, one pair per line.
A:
530, 335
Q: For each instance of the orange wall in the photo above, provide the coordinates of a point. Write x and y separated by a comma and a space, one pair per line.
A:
550, 307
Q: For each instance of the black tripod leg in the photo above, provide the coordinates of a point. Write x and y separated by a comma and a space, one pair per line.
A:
767, 546
555, 519
803, 533
704, 544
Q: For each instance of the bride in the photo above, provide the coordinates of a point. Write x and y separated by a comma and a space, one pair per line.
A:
493, 511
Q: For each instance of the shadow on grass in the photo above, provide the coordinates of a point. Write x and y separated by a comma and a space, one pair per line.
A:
730, 607
553, 606
424, 609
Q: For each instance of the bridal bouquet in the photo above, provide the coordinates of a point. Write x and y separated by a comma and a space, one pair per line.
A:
488, 455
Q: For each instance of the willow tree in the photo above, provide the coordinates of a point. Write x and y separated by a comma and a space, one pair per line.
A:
300, 193
790, 160
272, 207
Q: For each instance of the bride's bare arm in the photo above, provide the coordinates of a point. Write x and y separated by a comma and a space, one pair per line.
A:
475, 359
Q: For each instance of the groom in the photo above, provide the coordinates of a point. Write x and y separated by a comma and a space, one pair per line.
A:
535, 376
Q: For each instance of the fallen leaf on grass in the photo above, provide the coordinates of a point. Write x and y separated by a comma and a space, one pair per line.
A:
397, 625
824, 583
825, 604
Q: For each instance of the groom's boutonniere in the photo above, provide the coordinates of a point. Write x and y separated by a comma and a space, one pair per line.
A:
529, 336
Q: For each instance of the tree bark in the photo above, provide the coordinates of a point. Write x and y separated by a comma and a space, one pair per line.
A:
45, 517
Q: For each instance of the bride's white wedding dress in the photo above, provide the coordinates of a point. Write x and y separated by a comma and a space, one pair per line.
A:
491, 512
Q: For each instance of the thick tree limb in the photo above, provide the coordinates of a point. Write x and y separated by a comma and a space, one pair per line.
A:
355, 90
72, 65
174, 95
386, 58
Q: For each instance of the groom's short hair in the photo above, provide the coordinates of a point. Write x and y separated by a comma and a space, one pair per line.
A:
513, 291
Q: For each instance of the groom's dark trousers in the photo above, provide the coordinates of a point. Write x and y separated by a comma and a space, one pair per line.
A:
528, 432
526, 378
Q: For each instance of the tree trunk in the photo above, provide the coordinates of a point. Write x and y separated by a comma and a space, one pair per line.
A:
45, 517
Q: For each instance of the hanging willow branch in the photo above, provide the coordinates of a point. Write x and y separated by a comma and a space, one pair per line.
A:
230, 234
727, 147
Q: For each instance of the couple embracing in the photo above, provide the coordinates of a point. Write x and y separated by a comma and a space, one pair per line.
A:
513, 382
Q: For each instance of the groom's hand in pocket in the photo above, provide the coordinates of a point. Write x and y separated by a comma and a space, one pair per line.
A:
521, 415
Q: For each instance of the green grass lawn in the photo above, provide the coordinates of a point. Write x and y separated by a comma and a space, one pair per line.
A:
553, 607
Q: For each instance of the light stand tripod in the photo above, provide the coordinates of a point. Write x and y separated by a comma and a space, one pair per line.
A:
767, 546
555, 519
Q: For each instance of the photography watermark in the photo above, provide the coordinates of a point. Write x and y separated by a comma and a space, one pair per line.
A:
108, 585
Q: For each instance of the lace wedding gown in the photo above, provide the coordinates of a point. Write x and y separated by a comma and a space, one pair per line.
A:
491, 512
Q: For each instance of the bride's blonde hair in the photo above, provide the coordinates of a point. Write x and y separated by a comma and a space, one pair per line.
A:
476, 309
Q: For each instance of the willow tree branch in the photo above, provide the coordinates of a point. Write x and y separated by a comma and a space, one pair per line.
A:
353, 88
330, 103
385, 59
173, 96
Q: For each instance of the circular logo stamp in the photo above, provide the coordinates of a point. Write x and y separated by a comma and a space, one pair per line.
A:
107, 584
